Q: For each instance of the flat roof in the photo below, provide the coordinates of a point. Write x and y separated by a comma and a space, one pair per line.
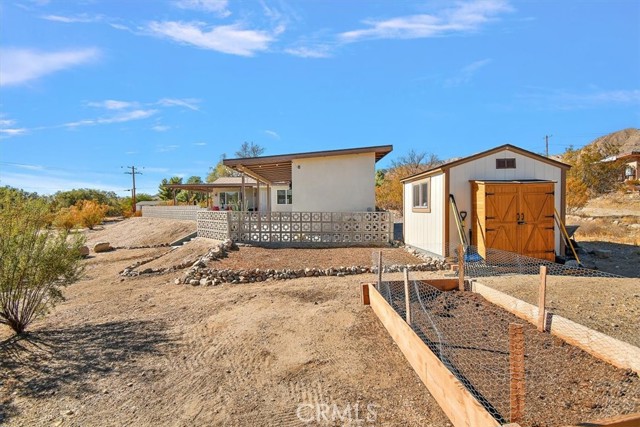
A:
222, 182
273, 169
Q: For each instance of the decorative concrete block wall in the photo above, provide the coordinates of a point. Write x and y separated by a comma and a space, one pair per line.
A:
185, 213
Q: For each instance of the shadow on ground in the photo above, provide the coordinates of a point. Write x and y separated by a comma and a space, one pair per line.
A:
615, 258
40, 363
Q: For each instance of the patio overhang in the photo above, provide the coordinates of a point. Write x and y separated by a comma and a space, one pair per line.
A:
207, 188
277, 169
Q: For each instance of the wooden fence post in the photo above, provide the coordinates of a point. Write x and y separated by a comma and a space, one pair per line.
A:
461, 267
542, 299
407, 299
365, 294
379, 269
516, 372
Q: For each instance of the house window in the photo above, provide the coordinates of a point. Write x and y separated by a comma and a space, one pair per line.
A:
230, 199
421, 193
509, 163
284, 197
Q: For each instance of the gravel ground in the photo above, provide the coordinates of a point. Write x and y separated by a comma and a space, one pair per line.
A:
141, 232
608, 305
140, 351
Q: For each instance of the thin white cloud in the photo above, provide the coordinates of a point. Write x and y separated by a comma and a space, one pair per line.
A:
118, 118
111, 104
564, 100
167, 148
27, 166
272, 134
9, 132
160, 128
465, 75
7, 122
49, 183
156, 170
189, 103
20, 66
231, 39
219, 7
83, 18
200, 144
463, 17
319, 51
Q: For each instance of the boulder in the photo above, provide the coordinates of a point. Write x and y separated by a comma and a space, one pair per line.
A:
102, 247
84, 251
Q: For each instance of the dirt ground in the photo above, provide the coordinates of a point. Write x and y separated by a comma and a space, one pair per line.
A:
140, 351
138, 231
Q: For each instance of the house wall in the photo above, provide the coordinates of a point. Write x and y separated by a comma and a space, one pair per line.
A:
275, 207
423, 230
484, 168
334, 184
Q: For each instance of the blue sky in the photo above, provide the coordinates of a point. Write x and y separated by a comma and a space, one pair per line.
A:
89, 86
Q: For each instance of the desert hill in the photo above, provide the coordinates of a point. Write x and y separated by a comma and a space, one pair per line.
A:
624, 141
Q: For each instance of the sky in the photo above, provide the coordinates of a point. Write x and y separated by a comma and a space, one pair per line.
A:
90, 87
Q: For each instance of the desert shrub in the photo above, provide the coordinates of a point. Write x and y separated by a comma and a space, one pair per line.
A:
577, 193
91, 213
35, 262
67, 218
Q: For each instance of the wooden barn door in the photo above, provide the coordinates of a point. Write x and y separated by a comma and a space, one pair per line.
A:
537, 238
518, 217
501, 207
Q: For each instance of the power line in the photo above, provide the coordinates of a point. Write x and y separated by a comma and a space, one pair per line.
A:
133, 174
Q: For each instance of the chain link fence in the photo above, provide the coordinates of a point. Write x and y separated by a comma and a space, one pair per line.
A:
516, 371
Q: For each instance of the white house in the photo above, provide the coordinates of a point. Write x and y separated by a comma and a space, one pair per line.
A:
507, 195
320, 181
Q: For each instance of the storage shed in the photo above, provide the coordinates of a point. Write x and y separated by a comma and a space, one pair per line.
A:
507, 197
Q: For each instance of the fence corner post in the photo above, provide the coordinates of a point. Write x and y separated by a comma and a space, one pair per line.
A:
461, 267
379, 269
516, 372
364, 293
542, 299
407, 297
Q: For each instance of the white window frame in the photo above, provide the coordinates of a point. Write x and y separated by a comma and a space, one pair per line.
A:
288, 197
421, 196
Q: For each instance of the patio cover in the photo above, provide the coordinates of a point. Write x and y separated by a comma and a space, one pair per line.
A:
277, 169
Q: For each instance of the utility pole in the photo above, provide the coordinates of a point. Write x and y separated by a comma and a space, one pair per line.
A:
133, 174
546, 143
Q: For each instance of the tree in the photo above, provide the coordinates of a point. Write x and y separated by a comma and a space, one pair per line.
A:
193, 196
66, 199
220, 170
166, 193
389, 190
35, 262
592, 173
249, 149
126, 203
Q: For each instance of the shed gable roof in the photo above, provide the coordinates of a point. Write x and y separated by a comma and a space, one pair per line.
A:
506, 147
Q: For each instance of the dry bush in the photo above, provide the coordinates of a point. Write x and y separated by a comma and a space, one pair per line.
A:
91, 213
67, 218
35, 262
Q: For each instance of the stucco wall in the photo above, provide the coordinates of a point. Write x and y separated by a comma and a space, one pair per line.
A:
423, 230
334, 184
275, 207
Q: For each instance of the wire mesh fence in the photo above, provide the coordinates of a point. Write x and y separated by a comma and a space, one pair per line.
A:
560, 383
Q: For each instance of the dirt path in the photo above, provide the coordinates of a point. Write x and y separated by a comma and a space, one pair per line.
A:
143, 352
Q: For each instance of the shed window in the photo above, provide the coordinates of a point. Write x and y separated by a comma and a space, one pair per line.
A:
284, 197
421, 194
509, 163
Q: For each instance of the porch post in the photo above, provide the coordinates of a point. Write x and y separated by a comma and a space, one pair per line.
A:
269, 197
258, 199
243, 205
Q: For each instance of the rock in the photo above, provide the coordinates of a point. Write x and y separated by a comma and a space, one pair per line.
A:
84, 251
194, 282
602, 253
572, 263
634, 225
102, 247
